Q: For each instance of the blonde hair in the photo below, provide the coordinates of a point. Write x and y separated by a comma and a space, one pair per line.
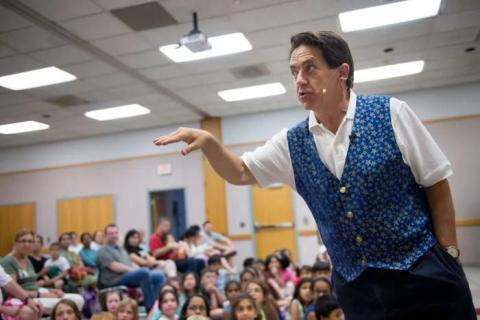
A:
103, 316
126, 303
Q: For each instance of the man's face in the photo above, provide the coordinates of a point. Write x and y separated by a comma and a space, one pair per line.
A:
111, 235
208, 227
164, 227
315, 82
65, 241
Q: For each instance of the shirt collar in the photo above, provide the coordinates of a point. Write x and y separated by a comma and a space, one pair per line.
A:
352, 104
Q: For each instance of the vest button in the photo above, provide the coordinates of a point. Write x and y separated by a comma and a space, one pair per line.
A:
343, 189
349, 215
359, 239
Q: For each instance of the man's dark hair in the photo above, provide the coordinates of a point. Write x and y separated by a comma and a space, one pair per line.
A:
248, 262
110, 225
321, 266
333, 47
216, 258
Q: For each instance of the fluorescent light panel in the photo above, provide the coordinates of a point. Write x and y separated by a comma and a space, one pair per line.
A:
389, 71
386, 14
131, 110
246, 93
221, 45
36, 78
21, 127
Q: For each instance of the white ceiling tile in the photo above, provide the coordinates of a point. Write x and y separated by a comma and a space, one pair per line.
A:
26, 109
30, 39
58, 10
6, 51
89, 69
115, 4
18, 63
67, 88
9, 20
96, 26
457, 21
453, 37
131, 91
113, 80
123, 44
144, 59
164, 72
63, 55
12, 97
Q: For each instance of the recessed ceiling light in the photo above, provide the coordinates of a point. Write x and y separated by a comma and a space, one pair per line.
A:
21, 127
389, 71
386, 14
35, 78
221, 45
260, 91
131, 110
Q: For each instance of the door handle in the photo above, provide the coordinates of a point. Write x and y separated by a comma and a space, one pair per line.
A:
283, 225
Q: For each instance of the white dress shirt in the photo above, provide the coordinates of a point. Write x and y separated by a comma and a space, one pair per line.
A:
271, 162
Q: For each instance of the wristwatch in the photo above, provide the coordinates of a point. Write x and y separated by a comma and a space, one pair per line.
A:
453, 251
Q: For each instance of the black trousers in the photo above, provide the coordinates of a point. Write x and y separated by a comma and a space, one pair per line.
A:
435, 287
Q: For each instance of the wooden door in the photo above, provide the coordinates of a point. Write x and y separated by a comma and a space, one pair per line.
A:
12, 218
274, 220
84, 214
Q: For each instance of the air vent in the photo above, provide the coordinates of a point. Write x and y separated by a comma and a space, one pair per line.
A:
67, 101
252, 71
145, 16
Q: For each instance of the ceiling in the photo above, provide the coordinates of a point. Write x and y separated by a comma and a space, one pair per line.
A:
117, 64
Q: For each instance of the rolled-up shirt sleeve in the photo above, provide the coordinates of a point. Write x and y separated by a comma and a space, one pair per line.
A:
420, 152
271, 162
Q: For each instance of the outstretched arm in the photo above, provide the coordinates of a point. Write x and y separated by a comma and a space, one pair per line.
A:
227, 164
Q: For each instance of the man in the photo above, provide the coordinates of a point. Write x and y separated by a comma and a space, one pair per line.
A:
217, 240
27, 310
384, 208
163, 246
116, 269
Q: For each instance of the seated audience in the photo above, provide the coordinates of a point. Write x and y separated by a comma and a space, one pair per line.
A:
87, 253
321, 269
36, 257
247, 275
168, 304
216, 263
56, 267
245, 308
217, 240
142, 259
163, 247
327, 308
97, 240
27, 308
109, 300
196, 305
127, 310
116, 269
19, 267
306, 271
232, 290
321, 287
215, 297
264, 300
302, 299
66, 309
74, 246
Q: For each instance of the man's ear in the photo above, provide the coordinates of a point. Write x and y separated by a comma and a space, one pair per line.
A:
344, 70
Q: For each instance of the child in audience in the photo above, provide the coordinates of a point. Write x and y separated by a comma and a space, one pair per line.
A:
56, 267
232, 290
321, 269
168, 304
327, 308
244, 308
321, 287
190, 285
196, 305
247, 275
110, 300
156, 313
65, 309
209, 290
127, 310
306, 272
262, 296
302, 298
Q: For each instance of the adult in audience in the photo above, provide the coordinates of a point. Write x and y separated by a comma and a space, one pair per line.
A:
87, 253
163, 247
74, 246
217, 240
98, 239
36, 257
19, 267
28, 309
116, 269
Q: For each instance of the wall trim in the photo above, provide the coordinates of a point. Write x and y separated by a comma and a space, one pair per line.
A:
469, 222
307, 233
240, 237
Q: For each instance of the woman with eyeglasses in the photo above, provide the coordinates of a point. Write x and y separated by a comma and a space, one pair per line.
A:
19, 267
196, 305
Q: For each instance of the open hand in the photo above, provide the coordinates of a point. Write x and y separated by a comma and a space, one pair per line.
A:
195, 139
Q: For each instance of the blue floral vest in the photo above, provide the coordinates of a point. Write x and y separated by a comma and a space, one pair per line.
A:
376, 215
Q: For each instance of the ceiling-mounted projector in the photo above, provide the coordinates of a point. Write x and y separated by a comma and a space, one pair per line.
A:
195, 40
